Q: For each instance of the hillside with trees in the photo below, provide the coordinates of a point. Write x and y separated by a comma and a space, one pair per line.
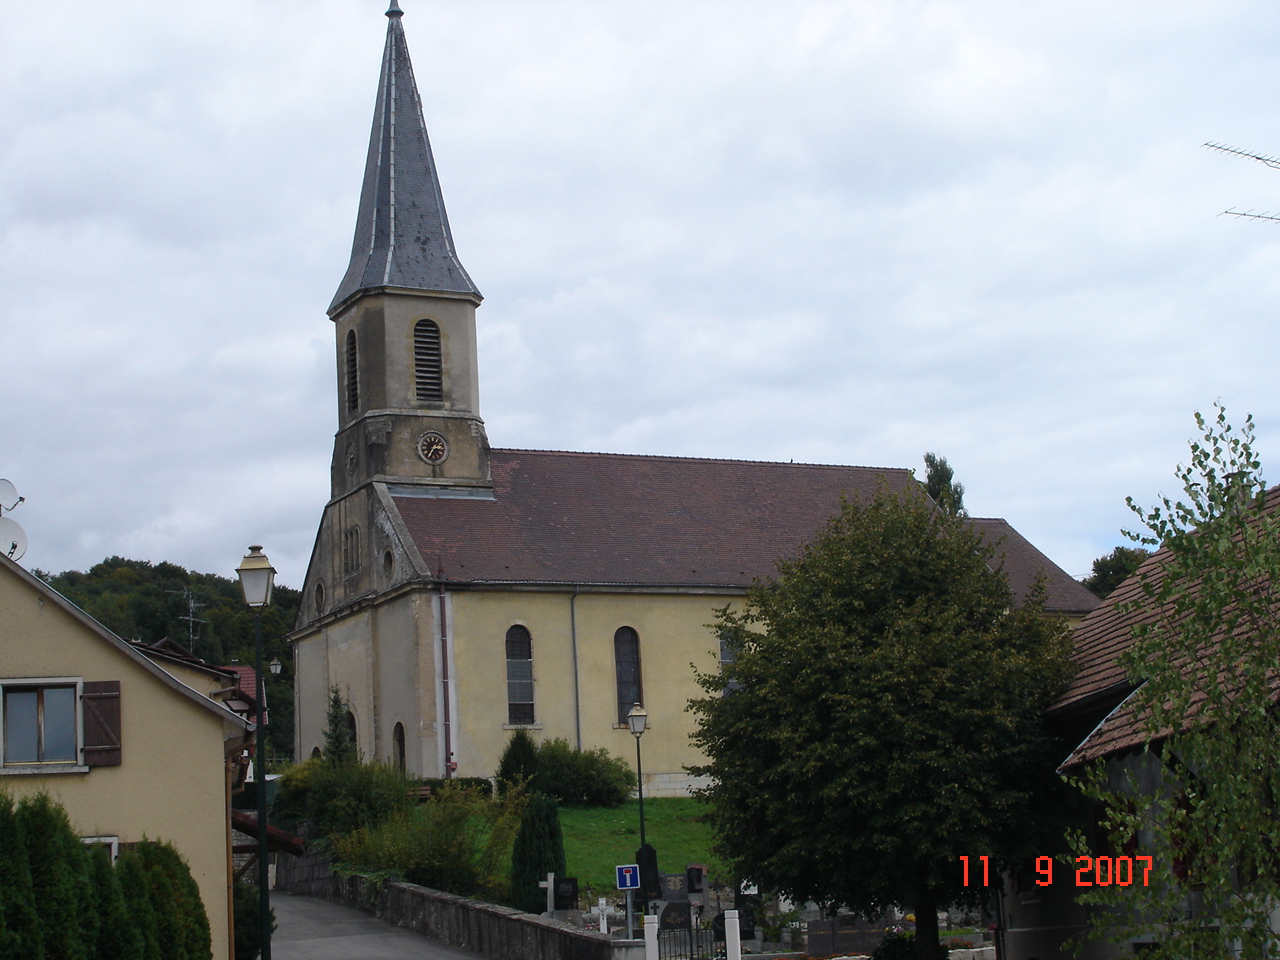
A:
204, 612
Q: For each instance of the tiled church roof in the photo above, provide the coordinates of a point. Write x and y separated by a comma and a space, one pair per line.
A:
593, 518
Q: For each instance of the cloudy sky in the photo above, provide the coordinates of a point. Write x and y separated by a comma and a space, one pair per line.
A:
842, 231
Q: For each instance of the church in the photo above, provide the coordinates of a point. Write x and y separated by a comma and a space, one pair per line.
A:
457, 592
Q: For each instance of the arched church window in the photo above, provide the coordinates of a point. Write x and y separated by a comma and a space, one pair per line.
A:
428, 369
353, 373
519, 676
351, 728
398, 735
626, 660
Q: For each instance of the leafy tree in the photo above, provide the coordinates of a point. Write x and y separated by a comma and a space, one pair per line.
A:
941, 486
519, 761
1206, 644
538, 850
881, 717
1114, 569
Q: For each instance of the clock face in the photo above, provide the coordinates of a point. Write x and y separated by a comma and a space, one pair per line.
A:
433, 448
352, 460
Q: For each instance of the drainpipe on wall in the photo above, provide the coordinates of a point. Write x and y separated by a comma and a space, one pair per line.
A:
577, 693
449, 765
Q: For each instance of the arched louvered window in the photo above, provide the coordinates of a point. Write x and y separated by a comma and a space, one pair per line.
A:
428, 369
626, 659
519, 676
353, 373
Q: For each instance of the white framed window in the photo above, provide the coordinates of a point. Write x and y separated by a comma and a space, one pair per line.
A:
519, 643
58, 724
111, 843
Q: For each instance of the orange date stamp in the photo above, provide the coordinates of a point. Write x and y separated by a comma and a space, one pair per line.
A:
1089, 871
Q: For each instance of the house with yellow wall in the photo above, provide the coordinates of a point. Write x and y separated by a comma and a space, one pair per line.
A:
458, 592
129, 750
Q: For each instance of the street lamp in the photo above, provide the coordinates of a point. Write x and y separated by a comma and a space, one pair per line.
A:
646, 860
257, 577
275, 666
636, 720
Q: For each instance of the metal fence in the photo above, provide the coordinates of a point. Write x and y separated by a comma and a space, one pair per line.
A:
693, 944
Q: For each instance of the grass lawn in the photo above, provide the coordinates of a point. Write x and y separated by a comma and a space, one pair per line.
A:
597, 839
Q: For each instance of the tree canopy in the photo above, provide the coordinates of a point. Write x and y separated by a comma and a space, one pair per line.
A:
205, 612
880, 717
1207, 641
1113, 569
942, 487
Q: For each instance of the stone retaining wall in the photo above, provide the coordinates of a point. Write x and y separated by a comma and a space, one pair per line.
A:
501, 933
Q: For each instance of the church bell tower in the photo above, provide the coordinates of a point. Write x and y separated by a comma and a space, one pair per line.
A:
405, 315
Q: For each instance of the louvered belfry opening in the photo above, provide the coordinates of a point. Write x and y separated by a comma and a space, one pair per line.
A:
353, 373
427, 365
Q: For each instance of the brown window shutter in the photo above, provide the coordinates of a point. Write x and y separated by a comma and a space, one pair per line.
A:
101, 723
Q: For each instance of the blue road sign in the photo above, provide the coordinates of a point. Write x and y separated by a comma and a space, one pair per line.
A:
629, 877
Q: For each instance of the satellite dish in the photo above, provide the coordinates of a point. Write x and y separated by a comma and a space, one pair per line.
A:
8, 495
13, 540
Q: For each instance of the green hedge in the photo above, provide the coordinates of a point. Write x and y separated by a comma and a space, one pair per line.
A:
59, 898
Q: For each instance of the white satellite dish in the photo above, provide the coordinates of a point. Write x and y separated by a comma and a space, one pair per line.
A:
13, 540
8, 495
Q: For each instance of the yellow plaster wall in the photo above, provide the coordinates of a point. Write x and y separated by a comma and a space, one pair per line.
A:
673, 635
170, 784
382, 659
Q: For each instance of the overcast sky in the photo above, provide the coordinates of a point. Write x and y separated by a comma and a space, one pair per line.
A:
836, 232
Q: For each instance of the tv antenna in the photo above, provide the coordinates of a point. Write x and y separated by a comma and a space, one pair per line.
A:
13, 539
1272, 162
191, 618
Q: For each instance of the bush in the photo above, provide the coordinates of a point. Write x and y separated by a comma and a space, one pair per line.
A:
459, 841
182, 925
482, 784
582, 778
339, 798
248, 928
538, 850
902, 946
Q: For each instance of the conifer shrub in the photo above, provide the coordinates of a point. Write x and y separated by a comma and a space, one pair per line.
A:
538, 850
19, 923
518, 764
248, 930
114, 937
181, 922
59, 869
135, 888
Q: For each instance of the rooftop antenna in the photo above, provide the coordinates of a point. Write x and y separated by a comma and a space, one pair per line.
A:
1272, 162
13, 539
191, 618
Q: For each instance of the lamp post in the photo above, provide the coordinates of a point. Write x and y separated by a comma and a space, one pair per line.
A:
636, 720
257, 577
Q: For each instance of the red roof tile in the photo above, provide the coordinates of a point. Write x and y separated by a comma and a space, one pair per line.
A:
592, 518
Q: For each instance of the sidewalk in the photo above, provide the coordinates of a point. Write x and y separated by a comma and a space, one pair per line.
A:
308, 929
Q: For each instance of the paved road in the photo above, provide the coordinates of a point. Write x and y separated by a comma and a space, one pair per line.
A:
308, 929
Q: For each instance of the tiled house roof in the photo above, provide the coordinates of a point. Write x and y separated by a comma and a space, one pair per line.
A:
649, 521
1100, 639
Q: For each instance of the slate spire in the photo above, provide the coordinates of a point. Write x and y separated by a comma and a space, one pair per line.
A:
402, 236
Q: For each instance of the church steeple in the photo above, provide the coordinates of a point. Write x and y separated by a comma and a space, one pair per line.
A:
402, 237
405, 316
